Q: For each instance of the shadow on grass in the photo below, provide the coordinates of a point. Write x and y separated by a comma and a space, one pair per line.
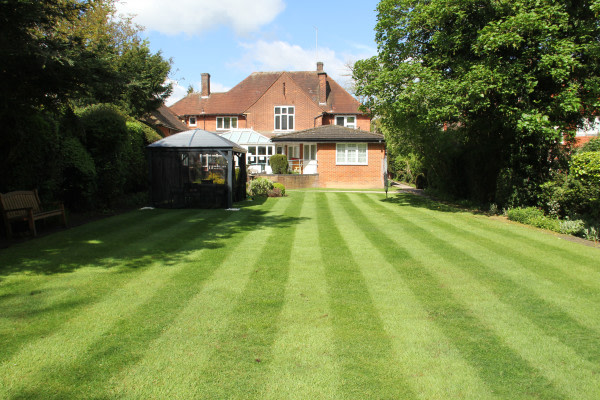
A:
137, 239
124, 244
414, 200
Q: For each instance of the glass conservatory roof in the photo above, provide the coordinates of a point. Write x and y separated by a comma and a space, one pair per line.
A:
246, 136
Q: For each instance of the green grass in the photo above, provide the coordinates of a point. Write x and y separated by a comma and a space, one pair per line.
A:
312, 296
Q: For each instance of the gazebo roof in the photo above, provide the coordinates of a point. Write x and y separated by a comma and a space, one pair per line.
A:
197, 139
246, 136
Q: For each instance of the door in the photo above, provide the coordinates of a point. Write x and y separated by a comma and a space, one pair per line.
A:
310, 159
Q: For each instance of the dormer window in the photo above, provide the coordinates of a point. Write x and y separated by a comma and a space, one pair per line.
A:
349, 121
284, 118
226, 123
192, 121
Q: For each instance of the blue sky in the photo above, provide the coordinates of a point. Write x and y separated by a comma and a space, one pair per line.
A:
230, 39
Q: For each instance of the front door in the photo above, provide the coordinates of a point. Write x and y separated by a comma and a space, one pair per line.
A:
310, 159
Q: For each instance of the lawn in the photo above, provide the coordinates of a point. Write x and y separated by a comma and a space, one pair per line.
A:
312, 296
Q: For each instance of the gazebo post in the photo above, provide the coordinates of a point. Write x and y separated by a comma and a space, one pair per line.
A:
230, 168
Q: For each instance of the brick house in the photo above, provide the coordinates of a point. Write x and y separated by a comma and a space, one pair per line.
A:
296, 111
272, 103
341, 157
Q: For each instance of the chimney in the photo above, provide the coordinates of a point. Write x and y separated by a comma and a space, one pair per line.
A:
205, 90
322, 83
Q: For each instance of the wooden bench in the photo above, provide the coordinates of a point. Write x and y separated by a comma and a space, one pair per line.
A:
26, 206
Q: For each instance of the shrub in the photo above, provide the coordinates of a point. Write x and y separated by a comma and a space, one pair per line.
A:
216, 178
279, 186
78, 175
406, 168
572, 227
585, 167
592, 145
107, 140
279, 164
260, 187
533, 216
275, 192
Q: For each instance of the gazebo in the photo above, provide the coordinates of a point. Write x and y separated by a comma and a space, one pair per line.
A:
196, 169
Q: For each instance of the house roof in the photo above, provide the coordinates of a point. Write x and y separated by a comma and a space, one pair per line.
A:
330, 133
197, 139
240, 98
165, 117
246, 136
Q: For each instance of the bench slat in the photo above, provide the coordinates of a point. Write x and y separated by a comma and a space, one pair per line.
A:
25, 206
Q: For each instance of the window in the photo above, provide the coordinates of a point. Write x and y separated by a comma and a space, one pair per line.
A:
259, 154
279, 150
192, 121
284, 118
349, 121
225, 123
310, 152
294, 151
351, 154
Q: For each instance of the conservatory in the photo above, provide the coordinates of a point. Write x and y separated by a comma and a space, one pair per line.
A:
196, 169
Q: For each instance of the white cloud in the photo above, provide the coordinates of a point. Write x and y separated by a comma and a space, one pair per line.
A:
283, 56
178, 93
197, 16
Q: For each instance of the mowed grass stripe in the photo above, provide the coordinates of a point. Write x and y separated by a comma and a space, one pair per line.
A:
580, 273
187, 342
561, 258
68, 250
558, 362
503, 369
304, 365
433, 367
37, 307
126, 342
30, 366
481, 259
186, 345
239, 366
368, 365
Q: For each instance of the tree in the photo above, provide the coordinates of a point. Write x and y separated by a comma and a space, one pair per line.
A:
39, 67
484, 90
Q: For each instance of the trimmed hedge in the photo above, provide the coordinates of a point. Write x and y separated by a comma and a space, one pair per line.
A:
279, 164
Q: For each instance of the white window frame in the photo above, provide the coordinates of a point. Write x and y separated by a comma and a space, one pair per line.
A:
347, 124
293, 151
348, 153
287, 114
308, 152
222, 120
190, 123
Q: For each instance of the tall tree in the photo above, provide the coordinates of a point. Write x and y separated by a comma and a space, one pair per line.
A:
484, 90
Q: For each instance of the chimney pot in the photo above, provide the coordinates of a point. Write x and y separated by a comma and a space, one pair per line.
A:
319, 66
205, 91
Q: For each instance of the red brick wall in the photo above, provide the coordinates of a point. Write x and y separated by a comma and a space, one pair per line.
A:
261, 115
350, 176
